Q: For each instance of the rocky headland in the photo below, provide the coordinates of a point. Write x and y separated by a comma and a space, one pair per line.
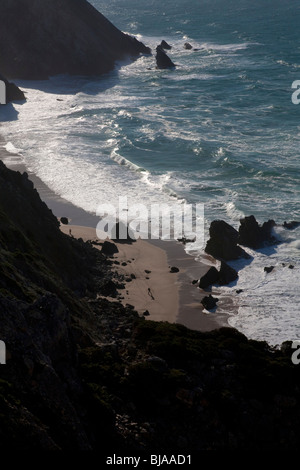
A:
41, 38
84, 372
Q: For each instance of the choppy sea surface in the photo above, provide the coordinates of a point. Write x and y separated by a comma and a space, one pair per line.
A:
220, 129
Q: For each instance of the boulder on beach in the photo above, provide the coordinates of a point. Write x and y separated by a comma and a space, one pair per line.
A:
211, 277
109, 248
165, 45
163, 61
174, 269
253, 235
209, 302
223, 242
227, 274
64, 220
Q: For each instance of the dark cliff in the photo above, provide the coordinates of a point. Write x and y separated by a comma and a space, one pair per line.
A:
40, 38
83, 372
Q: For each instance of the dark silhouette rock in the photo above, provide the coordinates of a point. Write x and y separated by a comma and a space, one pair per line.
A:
13, 93
211, 277
64, 220
227, 274
43, 38
188, 46
174, 269
162, 60
165, 45
223, 242
239, 291
109, 288
268, 269
253, 235
291, 225
109, 248
291, 266
209, 302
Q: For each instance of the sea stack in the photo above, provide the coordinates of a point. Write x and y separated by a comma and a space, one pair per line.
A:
163, 61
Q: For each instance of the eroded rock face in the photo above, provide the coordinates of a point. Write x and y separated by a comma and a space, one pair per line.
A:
163, 61
40, 38
253, 235
165, 45
223, 241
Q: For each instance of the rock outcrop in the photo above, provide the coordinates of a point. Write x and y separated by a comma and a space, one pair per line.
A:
163, 61
209, 302
253, 235
86, 373
225, 276
209, 278
40, 38
291, 225
165, 45
223, 242
13, 93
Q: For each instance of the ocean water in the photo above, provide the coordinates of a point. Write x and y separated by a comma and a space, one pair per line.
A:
220, 130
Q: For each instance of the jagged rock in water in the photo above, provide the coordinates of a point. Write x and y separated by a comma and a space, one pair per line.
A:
291, 225
209, 302
165, 45
223, 242
163, 61
13, 93
268, 269
253, 235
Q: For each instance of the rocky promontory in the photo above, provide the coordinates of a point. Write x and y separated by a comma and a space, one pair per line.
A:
41, 38
84, 372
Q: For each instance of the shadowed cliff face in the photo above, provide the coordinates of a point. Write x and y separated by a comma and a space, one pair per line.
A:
83, 372
39, 38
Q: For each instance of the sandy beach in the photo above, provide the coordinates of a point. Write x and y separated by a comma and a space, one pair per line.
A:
151, 286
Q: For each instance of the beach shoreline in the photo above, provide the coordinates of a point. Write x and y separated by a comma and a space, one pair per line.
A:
175, 298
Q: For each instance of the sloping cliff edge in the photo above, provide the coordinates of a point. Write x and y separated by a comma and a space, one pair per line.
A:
41, 38
85, 373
